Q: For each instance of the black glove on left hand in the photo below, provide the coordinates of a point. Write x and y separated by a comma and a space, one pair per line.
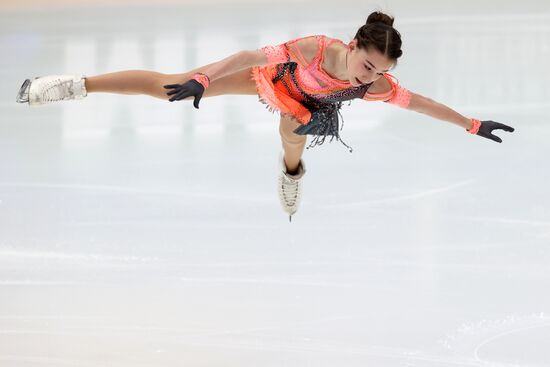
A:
487, 128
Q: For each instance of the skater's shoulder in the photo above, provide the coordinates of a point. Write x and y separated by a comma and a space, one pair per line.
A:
312, 46
307, 46
315, 41
383, 88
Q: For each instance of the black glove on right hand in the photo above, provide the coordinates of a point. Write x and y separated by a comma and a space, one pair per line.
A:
187, 89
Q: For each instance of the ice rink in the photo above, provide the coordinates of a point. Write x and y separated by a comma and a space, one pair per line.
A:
136, 232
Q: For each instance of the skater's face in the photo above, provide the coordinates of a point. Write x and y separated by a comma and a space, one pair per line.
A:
366, 65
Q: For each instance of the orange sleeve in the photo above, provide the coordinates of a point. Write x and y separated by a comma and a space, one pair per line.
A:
397, 95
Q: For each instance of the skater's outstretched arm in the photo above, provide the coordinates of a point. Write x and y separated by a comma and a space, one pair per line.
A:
229, 65
395, 94
439, 111
264, 56
201, 79
197, 82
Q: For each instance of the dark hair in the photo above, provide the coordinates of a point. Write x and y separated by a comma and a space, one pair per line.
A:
379, 33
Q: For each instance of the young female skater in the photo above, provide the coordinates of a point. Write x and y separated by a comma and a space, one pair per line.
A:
305, 80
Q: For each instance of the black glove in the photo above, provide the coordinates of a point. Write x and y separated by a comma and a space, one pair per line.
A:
487, 128
189, 88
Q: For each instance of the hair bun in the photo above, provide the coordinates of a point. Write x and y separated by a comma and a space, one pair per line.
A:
379, 17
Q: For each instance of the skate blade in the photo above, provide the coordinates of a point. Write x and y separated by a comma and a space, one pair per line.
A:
23, 95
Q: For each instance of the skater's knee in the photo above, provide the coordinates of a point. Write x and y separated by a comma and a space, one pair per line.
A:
289, 136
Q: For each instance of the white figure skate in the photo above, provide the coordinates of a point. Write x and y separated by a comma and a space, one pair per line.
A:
52, 88
290, 187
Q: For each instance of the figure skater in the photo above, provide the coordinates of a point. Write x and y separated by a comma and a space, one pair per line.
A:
305, 79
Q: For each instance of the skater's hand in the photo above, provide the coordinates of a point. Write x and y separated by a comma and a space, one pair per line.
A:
486, 128
193, 87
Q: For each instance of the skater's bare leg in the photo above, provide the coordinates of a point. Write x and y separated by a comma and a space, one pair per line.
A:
152, 83
293, 144
124, 82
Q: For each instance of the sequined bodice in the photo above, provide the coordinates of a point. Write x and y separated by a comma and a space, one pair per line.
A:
312, 77
311, 84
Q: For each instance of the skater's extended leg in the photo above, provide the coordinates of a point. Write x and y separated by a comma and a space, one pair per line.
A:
52, 88
293, 144
152, 83
124, 82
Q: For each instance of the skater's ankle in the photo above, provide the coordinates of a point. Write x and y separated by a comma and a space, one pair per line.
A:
293, 172
89, 86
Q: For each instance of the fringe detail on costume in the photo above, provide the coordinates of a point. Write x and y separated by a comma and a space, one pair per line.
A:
324, 123
324, 118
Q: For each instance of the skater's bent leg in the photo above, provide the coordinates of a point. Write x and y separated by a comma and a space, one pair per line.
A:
152, 83
293, 144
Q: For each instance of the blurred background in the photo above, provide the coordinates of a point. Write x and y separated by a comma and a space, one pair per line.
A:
135, 232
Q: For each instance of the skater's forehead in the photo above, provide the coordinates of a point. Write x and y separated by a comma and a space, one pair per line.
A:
376, 60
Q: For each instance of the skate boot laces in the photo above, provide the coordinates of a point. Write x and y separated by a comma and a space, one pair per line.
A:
57, 89
290, 189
